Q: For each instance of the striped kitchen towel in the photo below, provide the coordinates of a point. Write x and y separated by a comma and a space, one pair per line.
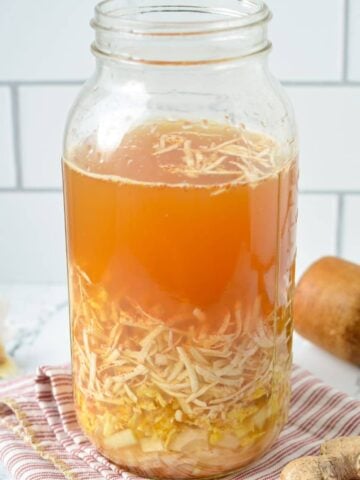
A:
40, 439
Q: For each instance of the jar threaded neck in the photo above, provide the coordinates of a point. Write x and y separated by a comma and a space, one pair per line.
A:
185, 34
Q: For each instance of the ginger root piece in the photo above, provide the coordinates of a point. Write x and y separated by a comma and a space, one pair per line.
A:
339, 459
327, 307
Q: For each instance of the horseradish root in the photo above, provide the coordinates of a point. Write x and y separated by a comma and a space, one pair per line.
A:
327, 307
339, 459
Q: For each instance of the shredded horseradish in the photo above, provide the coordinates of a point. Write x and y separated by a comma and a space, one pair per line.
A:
156, 398
249, 156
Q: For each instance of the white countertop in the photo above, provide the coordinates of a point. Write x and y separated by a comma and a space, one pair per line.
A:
37, 333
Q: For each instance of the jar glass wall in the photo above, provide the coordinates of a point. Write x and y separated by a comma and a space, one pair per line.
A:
180, 184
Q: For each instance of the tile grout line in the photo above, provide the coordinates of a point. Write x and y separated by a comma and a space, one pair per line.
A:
31, 190
16, 135
340, 224
329, 192
320, 83
345, 64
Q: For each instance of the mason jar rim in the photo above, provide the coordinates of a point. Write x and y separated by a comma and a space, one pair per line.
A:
118, 16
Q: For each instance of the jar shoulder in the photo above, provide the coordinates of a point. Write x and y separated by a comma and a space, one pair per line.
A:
110, 105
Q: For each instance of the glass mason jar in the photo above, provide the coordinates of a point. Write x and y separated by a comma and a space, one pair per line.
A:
180, 178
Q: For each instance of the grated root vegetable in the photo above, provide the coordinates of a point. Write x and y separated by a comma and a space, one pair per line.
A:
153, 397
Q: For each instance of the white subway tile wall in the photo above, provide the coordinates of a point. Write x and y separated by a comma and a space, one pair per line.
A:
41, 137
45, 40
354, 40
351, 226
317, 228
7, 159
329, 122
308, 39
44, 51
32, 246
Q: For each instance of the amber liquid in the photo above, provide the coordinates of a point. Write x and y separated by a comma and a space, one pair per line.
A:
187, 231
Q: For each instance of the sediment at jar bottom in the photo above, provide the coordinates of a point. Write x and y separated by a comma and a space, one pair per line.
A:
165, 402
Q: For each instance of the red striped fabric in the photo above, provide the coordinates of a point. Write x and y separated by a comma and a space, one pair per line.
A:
40, 438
